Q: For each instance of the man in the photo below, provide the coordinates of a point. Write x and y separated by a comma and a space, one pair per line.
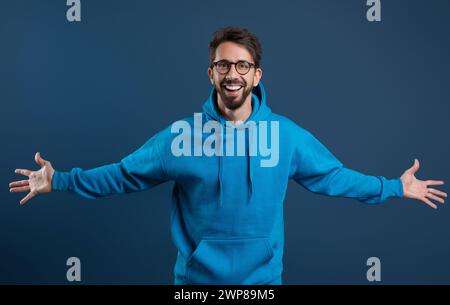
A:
227, 222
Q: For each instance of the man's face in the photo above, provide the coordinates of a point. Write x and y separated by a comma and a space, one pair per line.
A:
233, 88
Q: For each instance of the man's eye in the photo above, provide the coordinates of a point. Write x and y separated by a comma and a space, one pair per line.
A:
242, 65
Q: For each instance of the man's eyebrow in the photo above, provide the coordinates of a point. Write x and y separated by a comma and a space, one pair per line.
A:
247, 60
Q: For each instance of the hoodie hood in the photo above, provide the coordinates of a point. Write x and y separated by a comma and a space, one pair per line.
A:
260, 111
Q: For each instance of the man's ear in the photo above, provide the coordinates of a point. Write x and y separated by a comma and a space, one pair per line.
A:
257, 76
210, 75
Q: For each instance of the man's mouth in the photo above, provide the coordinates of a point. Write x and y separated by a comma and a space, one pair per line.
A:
233, 88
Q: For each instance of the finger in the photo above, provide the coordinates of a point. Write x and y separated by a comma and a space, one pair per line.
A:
434, 197
429, 203
415, 166
436, 192
27, 197
19, 183
38, 159
20, 189
434, 182
24, 172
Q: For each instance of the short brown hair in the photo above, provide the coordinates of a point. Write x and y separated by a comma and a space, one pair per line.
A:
237, 35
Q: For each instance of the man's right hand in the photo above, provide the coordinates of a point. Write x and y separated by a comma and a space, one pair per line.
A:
38, 181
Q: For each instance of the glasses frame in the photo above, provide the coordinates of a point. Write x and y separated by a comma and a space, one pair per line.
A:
229, 64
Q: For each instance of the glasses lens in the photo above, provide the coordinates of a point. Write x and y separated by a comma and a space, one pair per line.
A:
222, 66
242, 67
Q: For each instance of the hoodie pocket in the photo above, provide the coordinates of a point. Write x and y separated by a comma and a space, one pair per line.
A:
230, 261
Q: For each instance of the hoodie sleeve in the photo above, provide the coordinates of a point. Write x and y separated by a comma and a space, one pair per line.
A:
141, 170
314, 167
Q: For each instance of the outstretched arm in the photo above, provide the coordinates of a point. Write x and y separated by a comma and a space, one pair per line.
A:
318, 170
141, 170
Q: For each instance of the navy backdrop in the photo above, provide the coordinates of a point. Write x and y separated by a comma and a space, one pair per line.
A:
88, 93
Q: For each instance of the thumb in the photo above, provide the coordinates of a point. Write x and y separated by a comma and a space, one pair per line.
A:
37, 157
415, 167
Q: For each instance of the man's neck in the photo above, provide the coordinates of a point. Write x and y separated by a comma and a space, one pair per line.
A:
239, 115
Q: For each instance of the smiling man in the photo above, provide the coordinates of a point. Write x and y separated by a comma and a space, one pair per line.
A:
233, 86
227, 221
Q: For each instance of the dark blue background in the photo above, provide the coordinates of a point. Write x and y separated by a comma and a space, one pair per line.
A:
87, 94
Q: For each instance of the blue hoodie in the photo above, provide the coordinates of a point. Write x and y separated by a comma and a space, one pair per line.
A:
227, 216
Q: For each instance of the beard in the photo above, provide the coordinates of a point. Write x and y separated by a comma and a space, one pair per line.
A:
233, 100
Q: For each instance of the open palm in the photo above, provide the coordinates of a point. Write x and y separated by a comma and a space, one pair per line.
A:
420, 190
38, 181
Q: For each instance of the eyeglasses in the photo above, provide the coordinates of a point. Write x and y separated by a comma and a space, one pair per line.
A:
242, 67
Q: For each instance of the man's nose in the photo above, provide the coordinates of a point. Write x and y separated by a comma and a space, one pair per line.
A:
232, 73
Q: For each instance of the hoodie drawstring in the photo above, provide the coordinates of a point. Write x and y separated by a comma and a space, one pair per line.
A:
250, 168
250, 176
222, 122
220, 179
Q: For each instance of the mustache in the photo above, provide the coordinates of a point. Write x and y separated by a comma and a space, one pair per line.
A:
233, 82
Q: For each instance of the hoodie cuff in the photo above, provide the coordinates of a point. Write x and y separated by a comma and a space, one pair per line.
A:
60, 181
391, 188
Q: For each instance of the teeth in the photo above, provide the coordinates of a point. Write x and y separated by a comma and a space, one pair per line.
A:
233, 87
